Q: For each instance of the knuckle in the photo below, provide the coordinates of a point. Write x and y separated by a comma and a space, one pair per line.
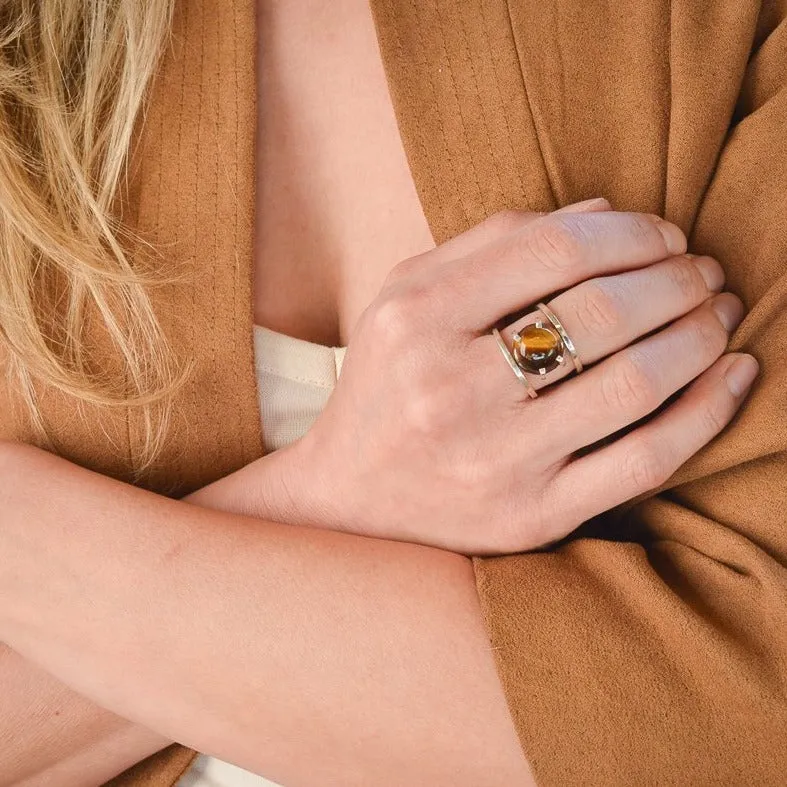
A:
629, 387
643, 230
427, 410
598, 310
388, 318
401, 270
645, 466
394, 316
709, 337
553, 243
687, 281
506, 221
713, 418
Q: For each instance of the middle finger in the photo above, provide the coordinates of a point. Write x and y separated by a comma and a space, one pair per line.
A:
548, 255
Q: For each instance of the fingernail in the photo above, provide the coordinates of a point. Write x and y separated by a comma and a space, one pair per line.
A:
597, 203
712, 273
729, 309
673, 236
741, 374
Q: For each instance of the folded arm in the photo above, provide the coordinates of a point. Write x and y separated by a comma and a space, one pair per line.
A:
50, 736
294, 652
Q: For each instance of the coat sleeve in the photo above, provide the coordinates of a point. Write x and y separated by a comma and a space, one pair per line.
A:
651, 648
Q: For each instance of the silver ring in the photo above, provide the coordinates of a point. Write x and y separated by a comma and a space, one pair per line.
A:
567, 343
531, 392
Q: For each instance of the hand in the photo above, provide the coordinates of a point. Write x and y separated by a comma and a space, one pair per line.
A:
430, 437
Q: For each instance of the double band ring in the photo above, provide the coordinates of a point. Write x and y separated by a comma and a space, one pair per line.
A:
539, 348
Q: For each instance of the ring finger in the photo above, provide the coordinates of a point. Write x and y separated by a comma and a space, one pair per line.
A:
603, 315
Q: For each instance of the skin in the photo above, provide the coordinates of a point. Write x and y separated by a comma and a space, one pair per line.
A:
324, 272
65, 740
453, 456
319, 263
336, 205
433, 714
99, 546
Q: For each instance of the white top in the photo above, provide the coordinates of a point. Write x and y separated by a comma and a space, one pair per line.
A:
294, 380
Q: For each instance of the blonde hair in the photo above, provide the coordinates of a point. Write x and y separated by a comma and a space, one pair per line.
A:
73, 78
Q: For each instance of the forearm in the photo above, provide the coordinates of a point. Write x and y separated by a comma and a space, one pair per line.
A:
50, 735
268, 645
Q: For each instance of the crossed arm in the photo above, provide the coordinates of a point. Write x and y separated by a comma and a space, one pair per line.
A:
720, 536
363, 658
50, 735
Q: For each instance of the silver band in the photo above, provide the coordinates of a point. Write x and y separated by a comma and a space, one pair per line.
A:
531, 392
567, 343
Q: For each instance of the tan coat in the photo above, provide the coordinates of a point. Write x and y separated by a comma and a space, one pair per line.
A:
650, 648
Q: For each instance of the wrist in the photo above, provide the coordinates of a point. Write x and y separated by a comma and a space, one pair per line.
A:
274, 487
319, 488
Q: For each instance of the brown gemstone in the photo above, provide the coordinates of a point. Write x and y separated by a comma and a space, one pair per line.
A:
537, 349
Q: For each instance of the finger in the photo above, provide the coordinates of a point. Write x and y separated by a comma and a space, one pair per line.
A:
647, 457
595, 205
550, 254
499, 225
632, 383
606, 314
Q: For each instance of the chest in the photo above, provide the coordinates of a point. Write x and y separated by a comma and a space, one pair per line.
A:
336, 205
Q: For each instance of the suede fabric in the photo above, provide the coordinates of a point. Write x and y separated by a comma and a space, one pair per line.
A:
651, 646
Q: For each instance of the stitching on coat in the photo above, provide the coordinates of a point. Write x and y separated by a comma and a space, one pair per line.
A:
474, 74
440, 24
485, 31
411, 100
530, 106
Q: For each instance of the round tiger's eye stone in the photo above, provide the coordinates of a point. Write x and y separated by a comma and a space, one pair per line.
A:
538, 348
